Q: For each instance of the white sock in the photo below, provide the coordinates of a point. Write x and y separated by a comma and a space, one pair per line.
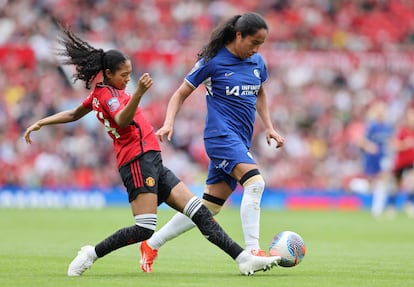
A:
177, 225
93, 254
192, 206
250, 213
379, 198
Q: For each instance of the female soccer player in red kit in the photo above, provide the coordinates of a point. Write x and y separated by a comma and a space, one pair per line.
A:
403, 144
147, 181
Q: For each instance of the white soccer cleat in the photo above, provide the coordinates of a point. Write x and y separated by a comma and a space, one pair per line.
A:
258, 263
83, 261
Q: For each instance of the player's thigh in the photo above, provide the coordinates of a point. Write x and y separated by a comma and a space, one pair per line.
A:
145, 202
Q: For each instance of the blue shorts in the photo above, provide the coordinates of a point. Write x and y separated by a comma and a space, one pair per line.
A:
372, 164
225, 153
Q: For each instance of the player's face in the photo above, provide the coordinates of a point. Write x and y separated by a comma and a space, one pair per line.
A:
249, 45
120, 78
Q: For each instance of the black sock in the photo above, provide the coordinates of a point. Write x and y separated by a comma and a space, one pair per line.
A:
121, 238
215, 233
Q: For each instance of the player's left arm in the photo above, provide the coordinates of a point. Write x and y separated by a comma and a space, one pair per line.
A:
124, 117
58, 118
263, 111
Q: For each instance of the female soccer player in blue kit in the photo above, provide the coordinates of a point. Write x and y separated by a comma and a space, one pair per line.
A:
233, 74
375, 145
147, 180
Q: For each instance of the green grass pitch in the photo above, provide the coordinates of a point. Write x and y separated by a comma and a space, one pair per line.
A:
343, 249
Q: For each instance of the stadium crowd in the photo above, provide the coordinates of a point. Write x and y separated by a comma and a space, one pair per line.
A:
328, 61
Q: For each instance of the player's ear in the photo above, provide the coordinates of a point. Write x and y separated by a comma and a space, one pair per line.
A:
239, 35
108, 73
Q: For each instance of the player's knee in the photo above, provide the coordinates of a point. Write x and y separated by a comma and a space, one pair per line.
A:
214, 208
214, 204
253, 183
144, 226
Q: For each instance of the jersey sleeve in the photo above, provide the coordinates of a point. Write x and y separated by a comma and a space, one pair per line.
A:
263, 68
110, 101
199, 73
87, 103
368, 130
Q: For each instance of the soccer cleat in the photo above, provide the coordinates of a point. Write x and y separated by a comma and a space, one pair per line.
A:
84, 260
148, 256
258, 263
258, 252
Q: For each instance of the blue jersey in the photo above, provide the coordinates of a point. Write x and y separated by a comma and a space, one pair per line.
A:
232, 87
379, 133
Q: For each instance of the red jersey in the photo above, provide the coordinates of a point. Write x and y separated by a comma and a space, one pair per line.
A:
131, 141
404, 158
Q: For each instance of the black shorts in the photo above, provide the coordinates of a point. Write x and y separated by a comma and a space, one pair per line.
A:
148, 174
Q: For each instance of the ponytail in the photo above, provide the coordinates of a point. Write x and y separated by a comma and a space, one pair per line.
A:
221, 35
246, 24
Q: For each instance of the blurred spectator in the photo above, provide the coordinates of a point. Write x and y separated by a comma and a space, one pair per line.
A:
327, 61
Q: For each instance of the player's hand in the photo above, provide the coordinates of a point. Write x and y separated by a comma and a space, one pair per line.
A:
34, 127
272, 134
144, 83
165, 130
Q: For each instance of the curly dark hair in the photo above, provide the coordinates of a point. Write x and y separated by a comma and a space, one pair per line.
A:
89, 61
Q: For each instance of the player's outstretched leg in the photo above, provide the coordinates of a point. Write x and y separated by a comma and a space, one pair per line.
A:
83, 261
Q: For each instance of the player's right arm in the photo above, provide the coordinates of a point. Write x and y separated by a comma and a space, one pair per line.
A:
174, 105
58, 118
200, 72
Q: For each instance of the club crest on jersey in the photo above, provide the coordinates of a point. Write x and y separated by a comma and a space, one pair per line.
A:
150, 181
113, 104
256, 72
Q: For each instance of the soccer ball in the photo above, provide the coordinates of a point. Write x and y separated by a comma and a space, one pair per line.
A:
290, 246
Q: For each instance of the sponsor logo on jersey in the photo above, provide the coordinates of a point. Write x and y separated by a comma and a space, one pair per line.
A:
243, 90
95, 102
228, 74
234, 91
113, 104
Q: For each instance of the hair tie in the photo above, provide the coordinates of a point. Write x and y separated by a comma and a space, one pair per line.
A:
237, 19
